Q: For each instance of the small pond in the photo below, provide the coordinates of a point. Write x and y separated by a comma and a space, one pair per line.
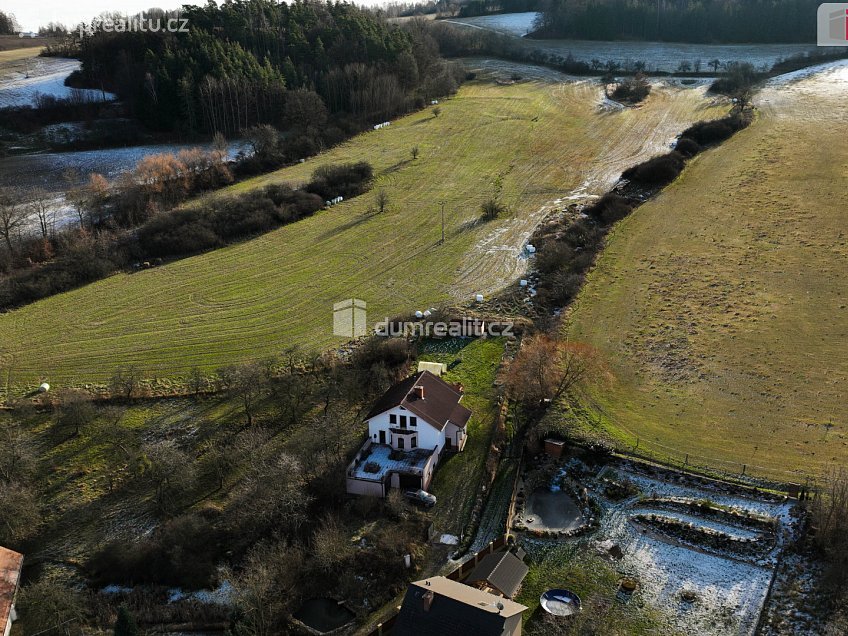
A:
324, 614
552, 510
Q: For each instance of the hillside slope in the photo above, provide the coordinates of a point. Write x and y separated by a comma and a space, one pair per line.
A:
721, 307
542, 140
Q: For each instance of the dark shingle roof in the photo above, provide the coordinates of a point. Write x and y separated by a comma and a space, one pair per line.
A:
455, 610
502, 570
440, 402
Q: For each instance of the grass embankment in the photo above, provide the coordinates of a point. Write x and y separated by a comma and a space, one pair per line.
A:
720, 307
457, 480
537, 141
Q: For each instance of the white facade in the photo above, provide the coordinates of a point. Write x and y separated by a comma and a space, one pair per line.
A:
386, 428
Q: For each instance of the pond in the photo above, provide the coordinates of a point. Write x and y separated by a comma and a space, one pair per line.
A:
552, 510
324, 614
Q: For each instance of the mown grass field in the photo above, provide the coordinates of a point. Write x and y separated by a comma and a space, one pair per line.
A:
11, 44
12, 59
721, 308
539, 139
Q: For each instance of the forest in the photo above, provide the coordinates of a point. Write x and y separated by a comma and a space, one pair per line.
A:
8, 24
240, 63
703, 21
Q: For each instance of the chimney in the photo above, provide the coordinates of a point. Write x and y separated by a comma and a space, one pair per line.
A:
419, 391
427, 599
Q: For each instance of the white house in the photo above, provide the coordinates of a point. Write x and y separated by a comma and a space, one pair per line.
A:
409, 428
11, 564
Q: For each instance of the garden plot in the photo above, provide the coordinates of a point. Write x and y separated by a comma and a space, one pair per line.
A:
700, 590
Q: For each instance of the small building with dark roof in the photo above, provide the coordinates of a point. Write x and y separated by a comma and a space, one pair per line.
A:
500, 573
409, 427
440, 606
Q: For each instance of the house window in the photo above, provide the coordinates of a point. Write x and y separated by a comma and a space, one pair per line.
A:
413, 421
403, 421
414, 442
400, 443
392, 419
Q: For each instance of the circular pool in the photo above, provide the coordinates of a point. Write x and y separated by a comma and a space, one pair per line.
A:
560, 602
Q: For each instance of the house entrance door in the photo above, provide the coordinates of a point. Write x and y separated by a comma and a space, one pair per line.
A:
382, 437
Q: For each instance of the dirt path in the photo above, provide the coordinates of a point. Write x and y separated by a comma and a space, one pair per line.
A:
615, 139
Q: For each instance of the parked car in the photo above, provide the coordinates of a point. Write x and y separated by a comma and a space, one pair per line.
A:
421, 497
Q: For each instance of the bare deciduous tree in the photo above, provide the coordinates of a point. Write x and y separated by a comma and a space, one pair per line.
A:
21, 512
546, 368
331, 544
13, 217
48, 607
830, 520
266, 588
169, 469
381, 200
39, 203
17, 459
124, 382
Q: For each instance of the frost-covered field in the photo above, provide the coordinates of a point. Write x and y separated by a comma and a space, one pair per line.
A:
729, 592
46, 77
660, 56
518, 24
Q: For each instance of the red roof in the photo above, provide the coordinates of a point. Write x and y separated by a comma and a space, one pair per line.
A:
439, 405
10, 575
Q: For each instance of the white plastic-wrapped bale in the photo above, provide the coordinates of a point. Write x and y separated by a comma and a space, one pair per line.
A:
44, 388
419, 314
522, 283
428, 313
479, 298
531, 249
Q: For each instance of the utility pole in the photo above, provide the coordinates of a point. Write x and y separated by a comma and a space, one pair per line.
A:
442, 203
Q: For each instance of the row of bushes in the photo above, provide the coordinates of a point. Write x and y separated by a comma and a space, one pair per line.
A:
564, 257
193, 230
662, 170
182, 232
